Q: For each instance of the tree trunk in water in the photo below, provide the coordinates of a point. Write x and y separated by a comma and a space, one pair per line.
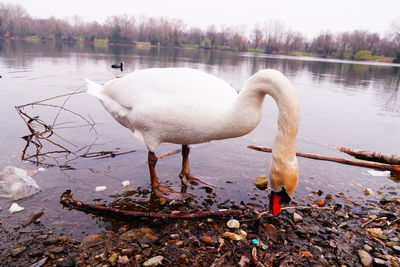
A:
374, 165
371, 156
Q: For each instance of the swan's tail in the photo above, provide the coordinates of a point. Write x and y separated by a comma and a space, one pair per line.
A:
94, 89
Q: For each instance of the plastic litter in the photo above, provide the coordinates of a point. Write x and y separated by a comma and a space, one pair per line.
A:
15, 208
101, 188
125, 183
16, 184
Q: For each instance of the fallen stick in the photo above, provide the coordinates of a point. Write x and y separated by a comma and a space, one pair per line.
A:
371, 155
360, 163
67, 200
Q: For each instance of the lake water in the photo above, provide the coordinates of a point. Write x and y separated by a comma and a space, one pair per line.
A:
348, 104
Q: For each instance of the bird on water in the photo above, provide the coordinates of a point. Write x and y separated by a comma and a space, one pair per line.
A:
186, 106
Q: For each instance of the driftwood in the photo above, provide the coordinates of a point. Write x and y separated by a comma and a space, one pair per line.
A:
368, 164
371, 155
67, 200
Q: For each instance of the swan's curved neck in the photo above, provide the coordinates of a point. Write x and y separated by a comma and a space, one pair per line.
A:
275, 84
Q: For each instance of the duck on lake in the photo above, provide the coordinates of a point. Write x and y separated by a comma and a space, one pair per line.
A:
118, 66
186, 106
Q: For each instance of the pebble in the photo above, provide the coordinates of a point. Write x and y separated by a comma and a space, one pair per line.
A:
56, 249
365, 258
367, 248
233, 224
297, 217
40, 263
153, 261
379, 261
18, 251
89, 240
368, 191
261, 181
113, 258
207, 239
396, 247
51, 240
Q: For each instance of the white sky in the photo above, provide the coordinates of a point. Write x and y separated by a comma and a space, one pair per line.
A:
307, 16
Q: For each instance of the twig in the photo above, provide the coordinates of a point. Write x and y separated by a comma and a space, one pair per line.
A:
360, 163
67, 200
295, 207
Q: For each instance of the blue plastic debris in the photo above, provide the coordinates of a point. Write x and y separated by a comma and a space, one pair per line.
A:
255, 241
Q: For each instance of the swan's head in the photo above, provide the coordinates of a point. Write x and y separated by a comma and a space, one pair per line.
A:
284, 178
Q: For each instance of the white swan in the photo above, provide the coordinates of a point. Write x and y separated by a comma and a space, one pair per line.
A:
186, 106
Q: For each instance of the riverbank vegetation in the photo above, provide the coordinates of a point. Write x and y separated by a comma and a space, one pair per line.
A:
271, 37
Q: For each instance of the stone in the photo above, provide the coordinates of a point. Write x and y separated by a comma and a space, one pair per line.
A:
368, 191
56, 249
367, 248
207, 239
297, 217
18, 251
113, 258
154, 261
90, 240
261, 181
365, 258
39, 263
233, 224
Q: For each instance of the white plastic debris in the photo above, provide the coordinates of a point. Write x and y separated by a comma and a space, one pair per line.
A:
101, 188
125, 183
379, 173
15, 183
41, 169
15, 208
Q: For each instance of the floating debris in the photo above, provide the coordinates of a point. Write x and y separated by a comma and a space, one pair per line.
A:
125, 183
15, 208
101, 188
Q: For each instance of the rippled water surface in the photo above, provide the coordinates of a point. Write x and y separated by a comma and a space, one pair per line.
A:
342, 104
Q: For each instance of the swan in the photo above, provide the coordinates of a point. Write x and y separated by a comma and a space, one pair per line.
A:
187, 106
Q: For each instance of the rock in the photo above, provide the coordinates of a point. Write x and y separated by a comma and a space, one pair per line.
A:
113, 258
396, 247
240, 235
39, 263
140, 234
368, 191
379, 262
207, 240
154, 261
328, 196
321, 202
297, 217
68, 262
261, 181
367, 248
56, 249
233, 224
90, 240
51, 240
376, 232
365, 258
18, 251
123, 260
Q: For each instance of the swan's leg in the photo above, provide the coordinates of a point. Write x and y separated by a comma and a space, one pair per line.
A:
187, 178
162, 191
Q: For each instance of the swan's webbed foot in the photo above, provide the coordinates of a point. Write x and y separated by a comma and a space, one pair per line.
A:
165, 191
190, 180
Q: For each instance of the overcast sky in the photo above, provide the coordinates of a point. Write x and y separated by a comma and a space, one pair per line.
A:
307, 16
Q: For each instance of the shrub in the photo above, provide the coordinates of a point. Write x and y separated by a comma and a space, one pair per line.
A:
363, 55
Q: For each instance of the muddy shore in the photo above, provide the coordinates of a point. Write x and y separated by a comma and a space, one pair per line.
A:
365, 233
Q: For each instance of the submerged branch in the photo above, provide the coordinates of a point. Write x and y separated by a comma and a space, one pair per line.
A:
368, 164
67, 200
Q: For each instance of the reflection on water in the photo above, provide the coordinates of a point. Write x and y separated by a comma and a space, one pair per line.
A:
345, 104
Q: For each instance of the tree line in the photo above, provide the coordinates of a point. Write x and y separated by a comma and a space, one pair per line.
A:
269, 37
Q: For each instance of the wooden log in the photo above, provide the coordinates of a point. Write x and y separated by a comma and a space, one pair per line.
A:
368, 164
371, 155
67, 200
